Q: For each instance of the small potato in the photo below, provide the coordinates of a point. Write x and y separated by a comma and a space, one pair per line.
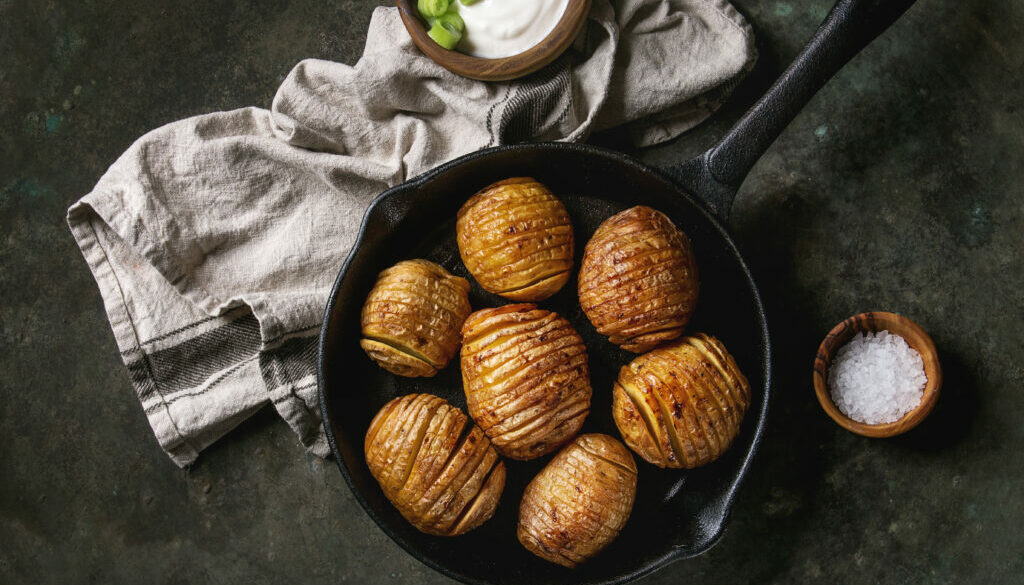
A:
438, 469
638, 279
515, 238
412, 318
681, 404
524, 371
579, 502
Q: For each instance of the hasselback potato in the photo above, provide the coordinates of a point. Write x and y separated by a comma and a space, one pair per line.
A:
579, 502
638, 279
525, 374
516, 239
434, 465
681, 405
412, 318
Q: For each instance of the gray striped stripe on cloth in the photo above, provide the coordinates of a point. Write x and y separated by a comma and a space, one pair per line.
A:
190, 383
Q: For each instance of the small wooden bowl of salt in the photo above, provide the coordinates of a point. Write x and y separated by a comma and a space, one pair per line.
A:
877, 374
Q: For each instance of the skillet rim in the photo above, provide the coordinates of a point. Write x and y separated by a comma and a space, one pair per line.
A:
725, 502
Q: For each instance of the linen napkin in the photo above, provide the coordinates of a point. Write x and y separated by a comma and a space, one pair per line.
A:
215, 240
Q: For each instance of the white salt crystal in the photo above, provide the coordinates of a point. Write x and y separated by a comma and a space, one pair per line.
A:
876, 378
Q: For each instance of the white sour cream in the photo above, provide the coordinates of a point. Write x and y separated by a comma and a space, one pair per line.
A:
502, 28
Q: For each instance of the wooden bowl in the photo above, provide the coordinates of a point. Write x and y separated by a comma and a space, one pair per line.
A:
544, 52
878, 321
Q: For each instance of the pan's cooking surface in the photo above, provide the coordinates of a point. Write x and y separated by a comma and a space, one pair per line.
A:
674, 508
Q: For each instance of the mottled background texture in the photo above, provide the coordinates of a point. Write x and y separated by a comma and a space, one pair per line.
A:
898, 188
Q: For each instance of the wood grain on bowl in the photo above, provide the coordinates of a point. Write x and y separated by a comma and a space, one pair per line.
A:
873, 322
534, 58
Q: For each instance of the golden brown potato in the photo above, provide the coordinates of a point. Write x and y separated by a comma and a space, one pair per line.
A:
526, 379
438, 469
412, 318
579, 502
681, 404
638, 280
516, 239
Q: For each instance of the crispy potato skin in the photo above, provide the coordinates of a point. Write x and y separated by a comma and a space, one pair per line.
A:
525, 374
638, 280
440, 471
579, 502
681, 404
516, 239
412, 318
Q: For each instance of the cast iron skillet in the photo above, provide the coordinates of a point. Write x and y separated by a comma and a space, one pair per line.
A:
678, 514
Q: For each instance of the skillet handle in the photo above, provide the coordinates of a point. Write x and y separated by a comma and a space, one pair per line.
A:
716, 175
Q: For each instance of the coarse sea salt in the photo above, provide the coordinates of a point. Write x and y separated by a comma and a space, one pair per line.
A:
876, 378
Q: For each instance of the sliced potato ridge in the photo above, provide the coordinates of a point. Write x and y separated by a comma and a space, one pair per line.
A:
691, 397
437, 468
526, 378
516, 239
638, 281
579, 502
411, 320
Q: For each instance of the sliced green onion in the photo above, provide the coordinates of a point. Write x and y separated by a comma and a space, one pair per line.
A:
432, 8
469, 2
452, 18
445, 34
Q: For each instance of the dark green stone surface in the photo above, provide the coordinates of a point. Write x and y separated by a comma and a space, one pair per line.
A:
898, 188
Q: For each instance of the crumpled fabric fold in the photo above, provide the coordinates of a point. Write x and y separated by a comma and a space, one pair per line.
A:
215, 240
